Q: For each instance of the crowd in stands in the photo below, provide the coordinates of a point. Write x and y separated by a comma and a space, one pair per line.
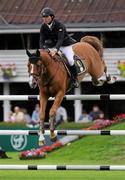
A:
21, 115
61, 116
94, 114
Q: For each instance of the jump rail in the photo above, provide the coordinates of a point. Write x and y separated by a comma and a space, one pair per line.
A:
63, 167
65, 132
66, 97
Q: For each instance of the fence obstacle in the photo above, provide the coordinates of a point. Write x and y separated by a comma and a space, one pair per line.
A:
64, 167
66, 97
65, 132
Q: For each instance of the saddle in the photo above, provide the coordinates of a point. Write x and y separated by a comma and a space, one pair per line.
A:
80, 66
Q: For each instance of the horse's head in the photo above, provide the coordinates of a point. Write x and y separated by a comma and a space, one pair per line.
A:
34, 67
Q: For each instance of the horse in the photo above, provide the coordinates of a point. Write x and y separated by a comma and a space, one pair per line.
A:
51, 76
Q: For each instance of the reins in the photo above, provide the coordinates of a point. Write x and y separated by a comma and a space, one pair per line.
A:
52, 77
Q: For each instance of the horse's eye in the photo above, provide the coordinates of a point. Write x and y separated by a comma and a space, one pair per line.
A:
38, 65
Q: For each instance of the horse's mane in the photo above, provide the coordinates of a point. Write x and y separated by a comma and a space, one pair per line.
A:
95, 42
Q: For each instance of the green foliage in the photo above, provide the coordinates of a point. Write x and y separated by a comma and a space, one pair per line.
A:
6, 125
8, 70
121, 67
73, 125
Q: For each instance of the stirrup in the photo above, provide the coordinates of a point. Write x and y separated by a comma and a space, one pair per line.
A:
76, 83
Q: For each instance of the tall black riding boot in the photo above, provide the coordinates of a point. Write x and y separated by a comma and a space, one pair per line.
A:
74, 75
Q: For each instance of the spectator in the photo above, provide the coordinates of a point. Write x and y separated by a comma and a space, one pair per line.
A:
35, 116
18, 115
84, 117
101, 115
11, 117
26, 116
61, 116
95, 112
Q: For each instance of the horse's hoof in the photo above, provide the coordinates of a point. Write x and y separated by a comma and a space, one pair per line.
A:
99, 83
53, 139
111, 80
41, 140
42, 143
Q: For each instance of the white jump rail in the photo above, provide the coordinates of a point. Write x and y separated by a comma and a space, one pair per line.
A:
65, 132
66, 97
64, 167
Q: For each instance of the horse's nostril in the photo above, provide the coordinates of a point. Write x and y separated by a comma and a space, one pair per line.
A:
34, 85
32, 82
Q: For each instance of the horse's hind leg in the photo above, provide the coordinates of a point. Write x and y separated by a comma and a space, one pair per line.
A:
97, 82
52, 113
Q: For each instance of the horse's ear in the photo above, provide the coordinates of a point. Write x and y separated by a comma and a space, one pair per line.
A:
38, 53
28, 53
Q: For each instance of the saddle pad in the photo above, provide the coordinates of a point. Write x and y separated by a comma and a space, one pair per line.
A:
81, 68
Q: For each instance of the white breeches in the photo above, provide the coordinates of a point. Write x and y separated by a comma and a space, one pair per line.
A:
68, 52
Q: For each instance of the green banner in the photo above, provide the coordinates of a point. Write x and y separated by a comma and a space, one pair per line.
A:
18, 142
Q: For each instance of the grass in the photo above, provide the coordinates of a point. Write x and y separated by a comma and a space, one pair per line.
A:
71, 125
101, 150
6, 125
61, 175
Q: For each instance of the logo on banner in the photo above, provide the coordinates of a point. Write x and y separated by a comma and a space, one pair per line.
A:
18, 142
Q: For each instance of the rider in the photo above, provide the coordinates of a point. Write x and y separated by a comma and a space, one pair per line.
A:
53, 35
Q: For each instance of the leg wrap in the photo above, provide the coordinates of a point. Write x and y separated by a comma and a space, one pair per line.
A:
41, 127
52, 125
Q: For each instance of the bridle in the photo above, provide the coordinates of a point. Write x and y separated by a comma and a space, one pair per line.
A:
33, 61
41, 69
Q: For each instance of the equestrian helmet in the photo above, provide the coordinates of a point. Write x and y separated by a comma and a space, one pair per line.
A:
47, 12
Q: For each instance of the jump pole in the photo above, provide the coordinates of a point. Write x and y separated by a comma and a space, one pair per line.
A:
66, 97
65, 132
64, 167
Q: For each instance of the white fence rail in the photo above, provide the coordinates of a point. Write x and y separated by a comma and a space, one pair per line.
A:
63, 167
66, 97
65, 132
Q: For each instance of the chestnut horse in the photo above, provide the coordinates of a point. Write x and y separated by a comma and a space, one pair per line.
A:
53, 80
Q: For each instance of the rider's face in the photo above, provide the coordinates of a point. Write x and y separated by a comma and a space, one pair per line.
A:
47, 19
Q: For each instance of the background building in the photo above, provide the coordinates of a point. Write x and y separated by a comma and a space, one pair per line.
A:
20, 23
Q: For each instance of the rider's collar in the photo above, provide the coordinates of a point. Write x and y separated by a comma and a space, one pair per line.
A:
50, 25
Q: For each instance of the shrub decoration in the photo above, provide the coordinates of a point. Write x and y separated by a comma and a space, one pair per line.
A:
8, 70
121, 68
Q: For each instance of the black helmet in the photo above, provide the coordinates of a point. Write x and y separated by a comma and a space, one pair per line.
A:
47, 12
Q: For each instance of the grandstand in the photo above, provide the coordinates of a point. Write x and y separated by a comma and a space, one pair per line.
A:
20, 23
78, 15
20, 59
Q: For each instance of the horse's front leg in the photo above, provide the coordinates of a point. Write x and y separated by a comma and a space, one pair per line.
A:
43, 103
52, 113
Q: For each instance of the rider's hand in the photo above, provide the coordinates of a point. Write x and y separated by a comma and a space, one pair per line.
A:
53, 52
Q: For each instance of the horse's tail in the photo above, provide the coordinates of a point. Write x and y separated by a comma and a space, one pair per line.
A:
95, 42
